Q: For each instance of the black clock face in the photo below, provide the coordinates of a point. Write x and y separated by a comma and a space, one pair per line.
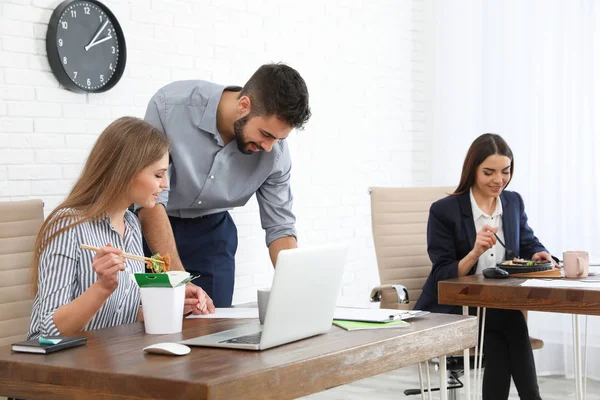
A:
86, 47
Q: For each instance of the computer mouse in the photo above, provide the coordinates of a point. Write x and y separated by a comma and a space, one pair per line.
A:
172, 349
495, 273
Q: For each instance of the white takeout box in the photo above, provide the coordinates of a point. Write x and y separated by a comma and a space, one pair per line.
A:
163, 297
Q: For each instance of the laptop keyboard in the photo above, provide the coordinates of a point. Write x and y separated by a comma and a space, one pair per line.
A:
246, 339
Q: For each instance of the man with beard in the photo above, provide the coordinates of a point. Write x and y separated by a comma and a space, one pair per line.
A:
227, 143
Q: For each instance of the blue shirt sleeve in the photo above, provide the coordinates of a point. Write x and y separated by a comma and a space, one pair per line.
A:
275, 200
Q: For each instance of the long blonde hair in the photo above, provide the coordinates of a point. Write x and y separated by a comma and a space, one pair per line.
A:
125, 147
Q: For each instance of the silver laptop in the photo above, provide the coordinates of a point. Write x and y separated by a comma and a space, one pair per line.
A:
301, 304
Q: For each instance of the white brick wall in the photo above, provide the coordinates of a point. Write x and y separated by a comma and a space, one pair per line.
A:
365, 62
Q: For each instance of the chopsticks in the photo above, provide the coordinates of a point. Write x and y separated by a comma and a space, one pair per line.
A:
124, 255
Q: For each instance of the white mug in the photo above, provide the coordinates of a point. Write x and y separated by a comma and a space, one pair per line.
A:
576, 264
262, 298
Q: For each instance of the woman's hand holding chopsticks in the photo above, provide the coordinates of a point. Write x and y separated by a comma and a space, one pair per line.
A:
107, 264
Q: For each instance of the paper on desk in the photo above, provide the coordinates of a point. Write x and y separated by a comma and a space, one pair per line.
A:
375, 315
562, 283
593, 271
233, 312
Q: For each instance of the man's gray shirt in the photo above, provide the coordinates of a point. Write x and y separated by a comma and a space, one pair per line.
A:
208, 177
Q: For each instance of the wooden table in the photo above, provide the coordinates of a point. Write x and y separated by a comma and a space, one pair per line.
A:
113, 365
477, 291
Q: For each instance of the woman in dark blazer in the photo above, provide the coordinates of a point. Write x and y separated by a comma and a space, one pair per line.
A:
461, 241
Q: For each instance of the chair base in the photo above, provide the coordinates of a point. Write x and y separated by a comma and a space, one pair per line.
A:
456, 363
453, 384
456, 368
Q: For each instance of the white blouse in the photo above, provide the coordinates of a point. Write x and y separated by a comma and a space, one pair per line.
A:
496, 253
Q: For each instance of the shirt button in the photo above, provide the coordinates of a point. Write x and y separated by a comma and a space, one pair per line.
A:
212, 177
491, 255
199, 202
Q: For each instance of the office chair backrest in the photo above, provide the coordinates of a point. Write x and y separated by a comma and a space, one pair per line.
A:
20, 222
399, 220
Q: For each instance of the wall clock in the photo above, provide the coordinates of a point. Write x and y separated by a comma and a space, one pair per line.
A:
85, 46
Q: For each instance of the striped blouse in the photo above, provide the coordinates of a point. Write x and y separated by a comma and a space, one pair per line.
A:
65, 272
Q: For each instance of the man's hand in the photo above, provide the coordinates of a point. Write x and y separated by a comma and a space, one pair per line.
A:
197, 301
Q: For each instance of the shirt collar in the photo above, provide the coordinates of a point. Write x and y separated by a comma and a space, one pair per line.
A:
477, 213
208, 122
129, 219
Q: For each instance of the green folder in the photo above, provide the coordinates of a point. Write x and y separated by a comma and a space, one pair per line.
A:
357, 325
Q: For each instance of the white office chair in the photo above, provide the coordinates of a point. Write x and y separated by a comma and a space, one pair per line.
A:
20, 222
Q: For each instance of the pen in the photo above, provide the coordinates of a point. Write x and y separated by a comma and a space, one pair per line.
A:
402, 314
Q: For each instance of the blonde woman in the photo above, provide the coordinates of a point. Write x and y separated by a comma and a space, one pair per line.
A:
81, 290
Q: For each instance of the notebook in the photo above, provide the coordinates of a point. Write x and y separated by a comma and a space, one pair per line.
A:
358, 325
375, 314
49, 344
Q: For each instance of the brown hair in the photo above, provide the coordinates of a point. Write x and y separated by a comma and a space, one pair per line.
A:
125, 147
484, 146
278, 89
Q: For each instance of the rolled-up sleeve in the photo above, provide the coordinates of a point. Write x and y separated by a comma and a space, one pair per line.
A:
275, 200
57, 273
155, 115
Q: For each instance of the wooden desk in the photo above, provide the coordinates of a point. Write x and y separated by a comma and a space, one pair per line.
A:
477, 291
113, 365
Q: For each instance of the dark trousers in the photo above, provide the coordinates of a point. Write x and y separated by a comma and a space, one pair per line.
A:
507, 353
207, 246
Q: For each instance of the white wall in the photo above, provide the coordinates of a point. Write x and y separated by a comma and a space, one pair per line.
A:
365, 62
457, 86
528, 70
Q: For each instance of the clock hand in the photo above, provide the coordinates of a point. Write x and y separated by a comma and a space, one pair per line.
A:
89, 46
96, 35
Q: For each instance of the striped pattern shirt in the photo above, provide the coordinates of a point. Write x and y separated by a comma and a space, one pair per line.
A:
65, 272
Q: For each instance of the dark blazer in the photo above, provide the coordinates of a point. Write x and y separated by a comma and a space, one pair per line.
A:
451, 236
